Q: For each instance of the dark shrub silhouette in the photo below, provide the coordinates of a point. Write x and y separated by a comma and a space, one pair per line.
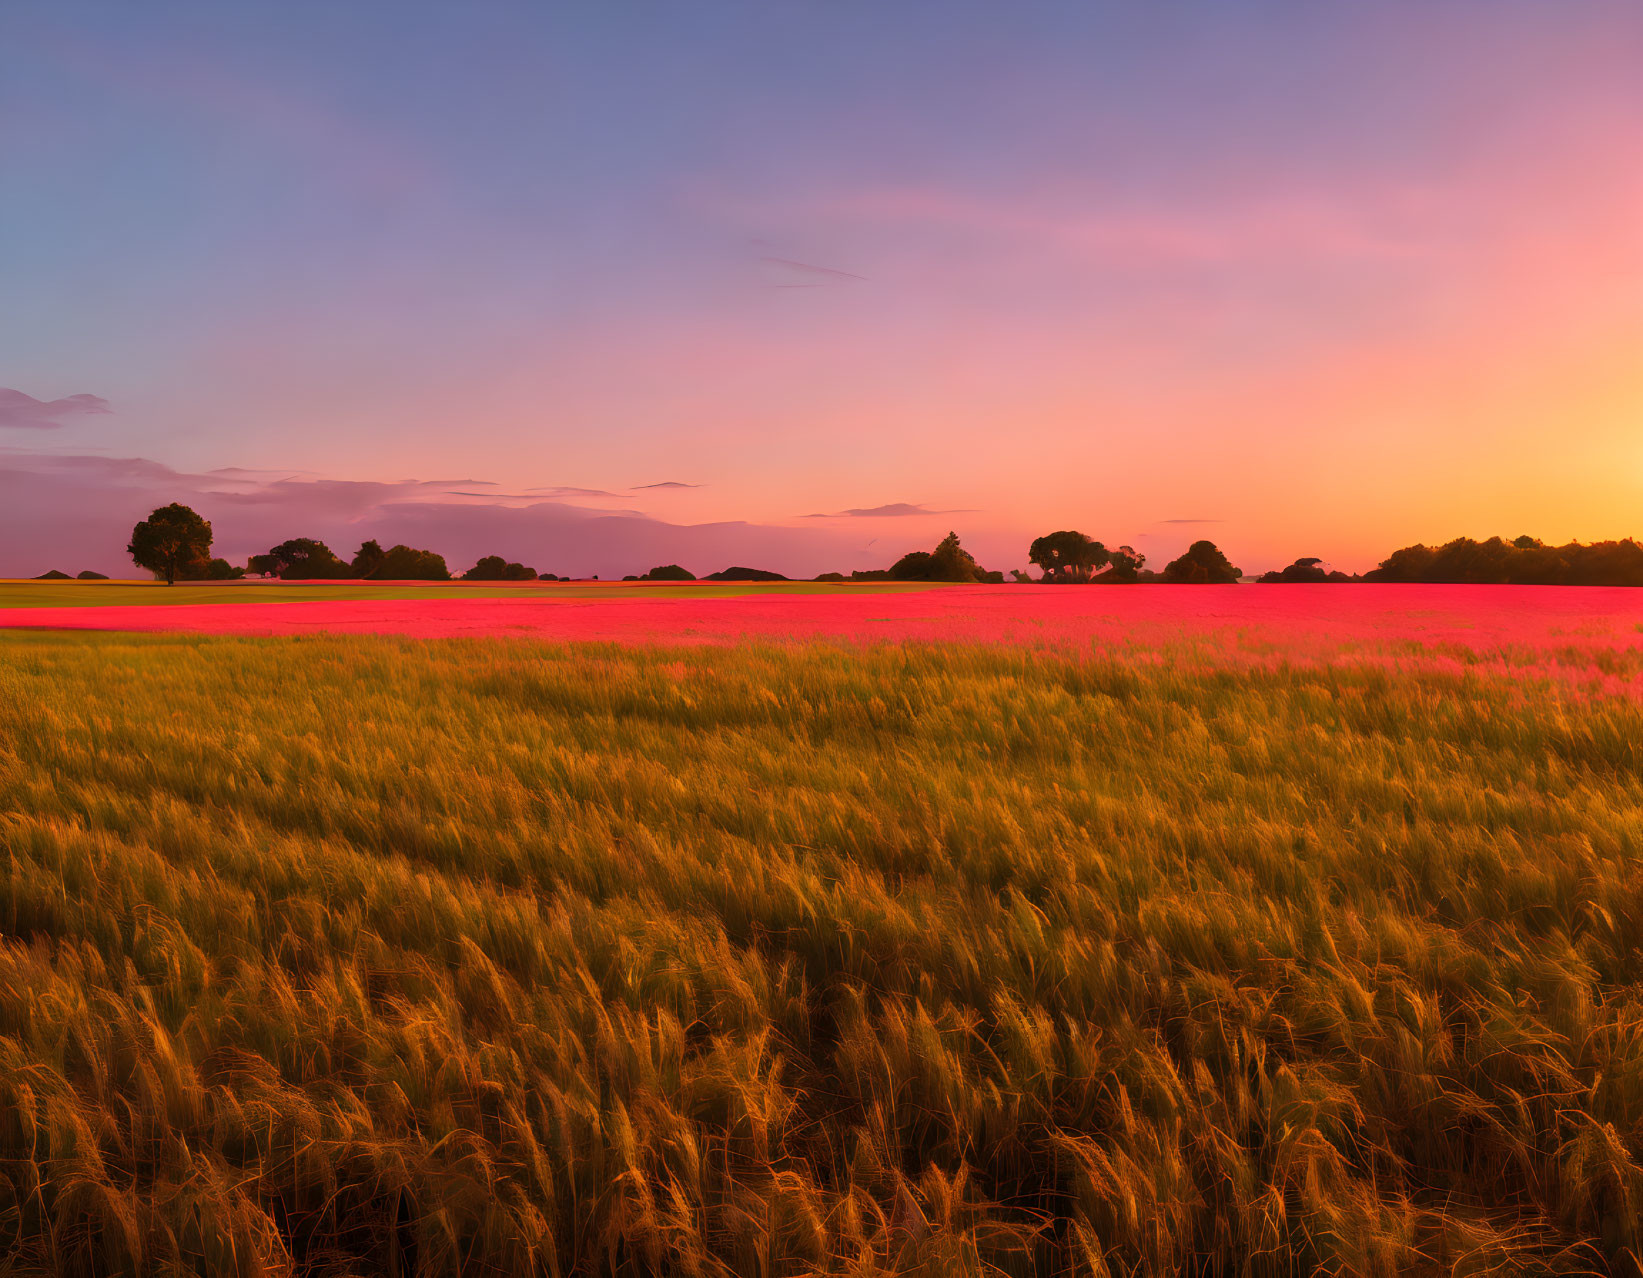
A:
829, 576
300, 559
1304, 570
368, 559
496, 568
53, 575
404, 563
949, 561
1524, 561
1068, 557
913, 566
88, 575
1123, 567
169, 541
669, 572
744, 574
213, 570
1202, 565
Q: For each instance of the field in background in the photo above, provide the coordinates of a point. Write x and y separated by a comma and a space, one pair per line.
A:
366, 954
1574, 628
105, 594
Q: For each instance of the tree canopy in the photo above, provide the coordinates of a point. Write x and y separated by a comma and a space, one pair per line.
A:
1523, 561
405, 563
949, 561
669, 572
300, 559
496, 568
368, 559
1307, 569
1202, 565
1068, 556
170, 542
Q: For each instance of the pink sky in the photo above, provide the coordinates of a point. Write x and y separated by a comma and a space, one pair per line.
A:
1315, 283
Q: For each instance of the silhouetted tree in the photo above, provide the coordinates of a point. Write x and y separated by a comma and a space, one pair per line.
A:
1307, 569
53, 574
302, 559
669, 572
828, 576
214, 570
367, 562
169, 540
496, 568
1203, 564
88, 575
1068, 556
1124, 567
1523, 561
405, 563
1021, 577
913, 566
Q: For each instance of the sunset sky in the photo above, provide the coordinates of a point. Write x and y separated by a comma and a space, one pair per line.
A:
803, 286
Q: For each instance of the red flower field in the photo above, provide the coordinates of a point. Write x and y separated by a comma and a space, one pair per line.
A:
1299, 617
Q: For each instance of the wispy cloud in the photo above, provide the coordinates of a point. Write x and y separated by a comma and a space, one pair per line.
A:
668, 483
784, 272
23, 412
564, 491
893, 510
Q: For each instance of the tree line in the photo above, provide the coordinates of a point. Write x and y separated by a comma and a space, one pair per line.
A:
174, 543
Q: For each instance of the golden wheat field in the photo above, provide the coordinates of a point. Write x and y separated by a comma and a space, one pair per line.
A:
367, 955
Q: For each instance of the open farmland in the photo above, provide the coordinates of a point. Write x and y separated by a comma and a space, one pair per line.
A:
359, 954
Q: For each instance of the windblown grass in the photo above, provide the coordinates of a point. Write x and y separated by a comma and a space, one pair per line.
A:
350, 956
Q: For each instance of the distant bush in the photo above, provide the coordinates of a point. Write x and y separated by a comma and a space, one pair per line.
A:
1305, 570
54, 575
215, 570
495, 568
669, 572
744, 574
829, 576
1202, 565
1524, 561
300, 559
404, 563
88, 575
949, 561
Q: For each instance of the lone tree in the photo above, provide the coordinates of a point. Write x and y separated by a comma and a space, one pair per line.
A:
170, 541
1068, 556
1202, 565
669, 572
